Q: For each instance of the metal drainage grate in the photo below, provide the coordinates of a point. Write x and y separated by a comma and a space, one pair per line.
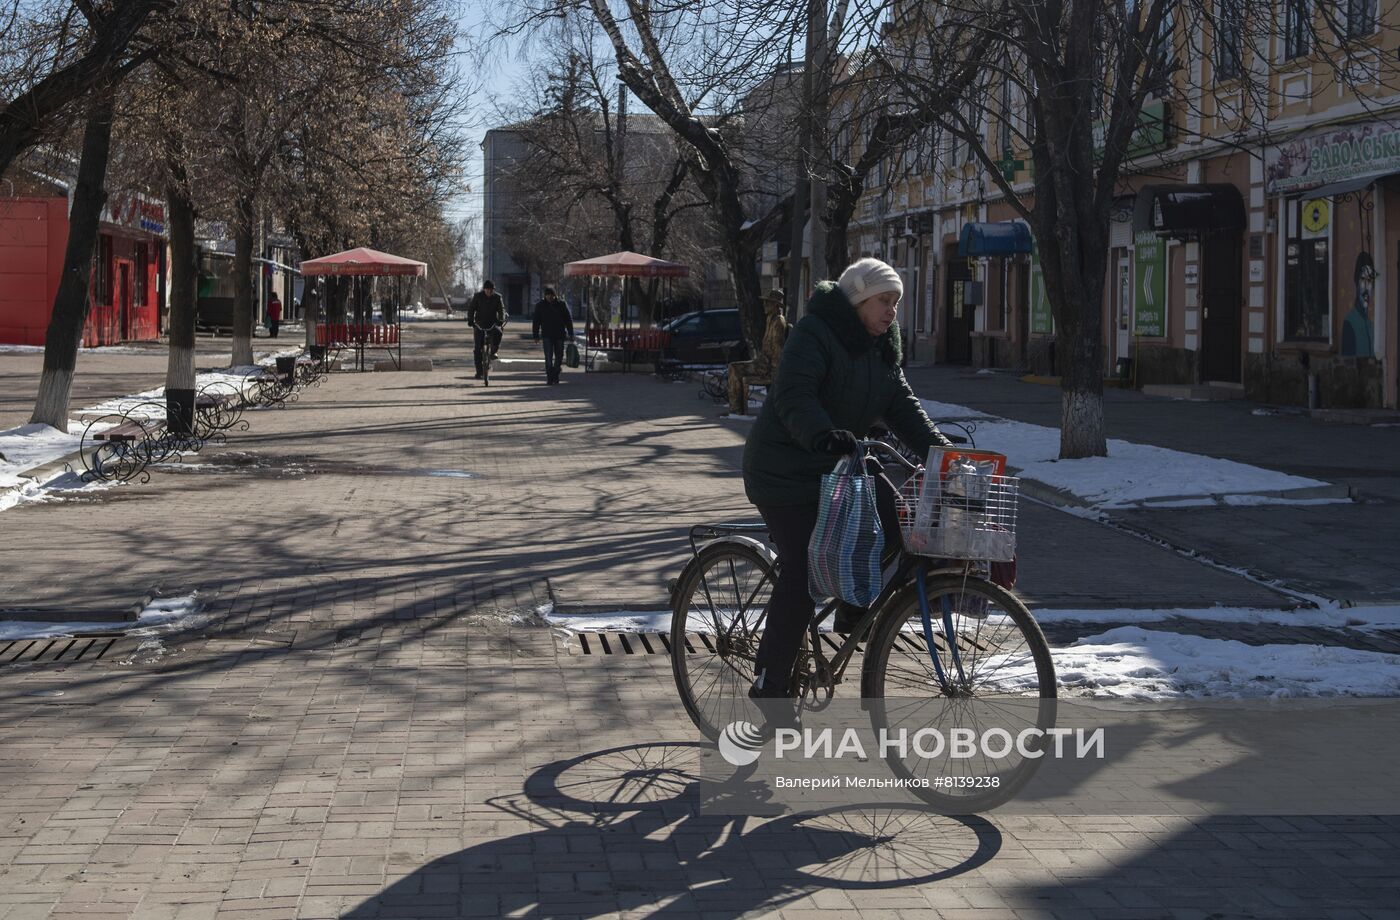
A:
655, 643
66, 650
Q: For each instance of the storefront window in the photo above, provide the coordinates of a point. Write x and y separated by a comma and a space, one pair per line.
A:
1307, 287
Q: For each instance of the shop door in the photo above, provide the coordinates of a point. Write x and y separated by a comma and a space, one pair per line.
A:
1220, 308
126, 318
959, 324
1123, 308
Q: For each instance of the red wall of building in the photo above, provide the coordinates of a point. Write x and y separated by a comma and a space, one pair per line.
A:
33, 236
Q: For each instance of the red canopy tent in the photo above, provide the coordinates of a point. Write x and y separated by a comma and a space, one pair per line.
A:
625, 265
364, 262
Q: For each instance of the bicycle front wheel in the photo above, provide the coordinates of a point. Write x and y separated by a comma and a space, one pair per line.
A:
721, 600
972, 658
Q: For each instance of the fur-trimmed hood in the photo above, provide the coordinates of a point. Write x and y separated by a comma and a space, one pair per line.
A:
831, 305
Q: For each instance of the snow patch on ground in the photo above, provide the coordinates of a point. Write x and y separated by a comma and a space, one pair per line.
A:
30, 446
1131, 473
1135, 663
1132, 662
1330, 616
60, 487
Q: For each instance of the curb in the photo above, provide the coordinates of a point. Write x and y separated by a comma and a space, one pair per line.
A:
131, 614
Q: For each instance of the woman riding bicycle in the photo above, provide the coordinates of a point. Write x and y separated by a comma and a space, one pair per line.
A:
839, 375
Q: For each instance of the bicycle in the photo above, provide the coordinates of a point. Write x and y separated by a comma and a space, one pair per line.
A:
492, 343
940, 628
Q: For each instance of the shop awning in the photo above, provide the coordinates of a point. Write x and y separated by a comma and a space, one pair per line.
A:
1345, 186
1189, 210
1003, 238
277, 265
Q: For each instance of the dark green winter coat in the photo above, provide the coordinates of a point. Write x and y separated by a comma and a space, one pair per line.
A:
833, 374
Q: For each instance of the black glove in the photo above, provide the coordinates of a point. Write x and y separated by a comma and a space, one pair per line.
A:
836, 441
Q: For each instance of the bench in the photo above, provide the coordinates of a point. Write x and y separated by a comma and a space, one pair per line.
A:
636, 345
117, 447
269, 388
218, 407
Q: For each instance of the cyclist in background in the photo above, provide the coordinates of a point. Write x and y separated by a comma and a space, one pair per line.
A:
838, 376
487, 315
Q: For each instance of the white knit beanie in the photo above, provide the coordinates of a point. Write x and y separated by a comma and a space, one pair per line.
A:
869, 278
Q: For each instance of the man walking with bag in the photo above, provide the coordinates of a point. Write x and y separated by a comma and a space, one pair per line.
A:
553, 326
487, 315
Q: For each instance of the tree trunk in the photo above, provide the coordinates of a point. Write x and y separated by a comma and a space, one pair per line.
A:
243, 281
70, 305
311, 311
796, 238
179, 370
843, 194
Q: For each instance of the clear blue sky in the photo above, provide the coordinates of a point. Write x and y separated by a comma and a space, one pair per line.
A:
496, 77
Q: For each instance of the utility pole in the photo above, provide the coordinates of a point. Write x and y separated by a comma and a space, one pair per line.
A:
796, 302
819, 153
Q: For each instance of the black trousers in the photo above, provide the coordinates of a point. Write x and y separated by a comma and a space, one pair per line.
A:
791, 608
493, 335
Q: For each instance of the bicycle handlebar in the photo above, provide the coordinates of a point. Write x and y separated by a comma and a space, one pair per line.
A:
864, 445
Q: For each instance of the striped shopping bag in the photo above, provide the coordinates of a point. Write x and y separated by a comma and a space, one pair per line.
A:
843, 557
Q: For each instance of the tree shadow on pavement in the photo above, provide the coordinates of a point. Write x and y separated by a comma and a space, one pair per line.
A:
620, 830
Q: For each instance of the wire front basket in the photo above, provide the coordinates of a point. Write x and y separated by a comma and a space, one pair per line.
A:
964, 513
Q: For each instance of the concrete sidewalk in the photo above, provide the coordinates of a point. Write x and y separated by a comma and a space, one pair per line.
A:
367, 727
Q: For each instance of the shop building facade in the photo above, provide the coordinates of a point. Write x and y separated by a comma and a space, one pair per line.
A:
127, 290
1258, 256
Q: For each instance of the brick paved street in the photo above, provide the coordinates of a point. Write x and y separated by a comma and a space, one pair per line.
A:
370, 726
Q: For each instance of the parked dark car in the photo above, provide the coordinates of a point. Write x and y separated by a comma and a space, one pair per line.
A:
707, 337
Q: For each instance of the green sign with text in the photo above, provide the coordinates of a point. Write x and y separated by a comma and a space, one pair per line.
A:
1150, 287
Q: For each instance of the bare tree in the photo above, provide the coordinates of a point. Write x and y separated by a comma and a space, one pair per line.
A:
584, 158
55, 60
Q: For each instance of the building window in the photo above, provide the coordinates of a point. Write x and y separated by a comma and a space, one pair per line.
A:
1360, 17
1229, 40
1306, 275
1297, 28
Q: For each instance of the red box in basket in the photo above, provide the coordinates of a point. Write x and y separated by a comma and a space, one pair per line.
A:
940, 458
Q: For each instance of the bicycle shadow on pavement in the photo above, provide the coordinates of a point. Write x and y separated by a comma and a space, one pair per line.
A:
620, 830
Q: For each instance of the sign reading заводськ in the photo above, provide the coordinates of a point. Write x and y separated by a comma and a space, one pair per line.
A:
1332, 155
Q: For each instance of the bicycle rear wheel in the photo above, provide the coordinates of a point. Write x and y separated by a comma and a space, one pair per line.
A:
721, 600
978, 661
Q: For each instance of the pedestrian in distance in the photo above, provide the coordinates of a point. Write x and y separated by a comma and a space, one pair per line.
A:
487, 315
839, 375
553, 326
274, 316
763, 367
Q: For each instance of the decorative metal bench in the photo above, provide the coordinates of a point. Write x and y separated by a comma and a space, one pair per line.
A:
119, 446
218, 407
272, 387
